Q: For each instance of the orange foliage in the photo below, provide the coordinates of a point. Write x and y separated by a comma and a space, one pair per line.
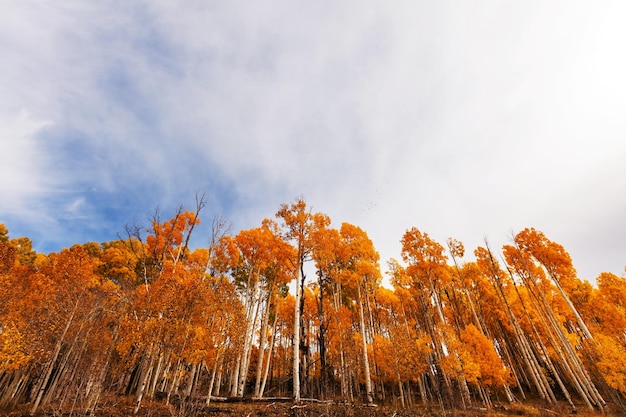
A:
155, 311
491, 370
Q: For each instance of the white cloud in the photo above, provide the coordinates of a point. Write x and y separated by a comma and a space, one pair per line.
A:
23, 165
462, 120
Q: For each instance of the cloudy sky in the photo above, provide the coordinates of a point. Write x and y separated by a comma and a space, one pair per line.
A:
463, 119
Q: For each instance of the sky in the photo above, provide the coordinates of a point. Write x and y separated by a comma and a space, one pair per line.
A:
469, 120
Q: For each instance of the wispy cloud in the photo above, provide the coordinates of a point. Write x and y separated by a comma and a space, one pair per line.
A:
462, 120
23, 165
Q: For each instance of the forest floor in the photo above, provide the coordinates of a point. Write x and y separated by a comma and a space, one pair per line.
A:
343, 410
122, 408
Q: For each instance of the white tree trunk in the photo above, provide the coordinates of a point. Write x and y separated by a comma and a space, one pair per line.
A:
368, 379
296, 340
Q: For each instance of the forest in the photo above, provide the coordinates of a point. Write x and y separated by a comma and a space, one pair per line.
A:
295, 310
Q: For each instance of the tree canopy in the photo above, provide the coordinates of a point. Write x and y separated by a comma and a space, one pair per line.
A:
146, 315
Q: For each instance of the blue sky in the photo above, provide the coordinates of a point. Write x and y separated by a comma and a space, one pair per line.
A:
462, 119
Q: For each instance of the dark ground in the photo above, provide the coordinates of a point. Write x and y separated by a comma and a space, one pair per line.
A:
121, 407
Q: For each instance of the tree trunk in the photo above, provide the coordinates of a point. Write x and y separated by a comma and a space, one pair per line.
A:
143, 381
234, 381
321, 339
247, 351
263, 342
569, 360
296, 333
366, 363
269, 355
50, 367
216, 364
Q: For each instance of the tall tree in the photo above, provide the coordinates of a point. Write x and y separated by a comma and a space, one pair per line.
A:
429, 277
298, 225
361, 273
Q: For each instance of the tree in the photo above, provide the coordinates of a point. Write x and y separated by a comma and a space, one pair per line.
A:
532, 275
298, 225
428, 276
145, 316
362, 273
558, 265
263, 267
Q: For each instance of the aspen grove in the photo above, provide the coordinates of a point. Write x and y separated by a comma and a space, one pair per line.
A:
295, 308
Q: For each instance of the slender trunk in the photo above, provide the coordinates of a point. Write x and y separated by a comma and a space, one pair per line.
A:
62, 377
61, 369
569, 359
173, 385
579, 319
247, 351
220, 374
251, 310
530, 360
342, 368
537, 374
509, 395
178, 379
155, 379
191, 379
216, 365
504, 343
50, 367
304, 349
542, 316
13, 384
466, 398
400, 387
422, 387
269, 355
397, 365
234, 382
321, 338
143, 381
368, 380
263, 342
166, 371
296, 333
96, 390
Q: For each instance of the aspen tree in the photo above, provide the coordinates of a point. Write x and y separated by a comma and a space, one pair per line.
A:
327, 255
298, 225
488, 264
362, 272
557, 263
429, 276
534, 279
72, 274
